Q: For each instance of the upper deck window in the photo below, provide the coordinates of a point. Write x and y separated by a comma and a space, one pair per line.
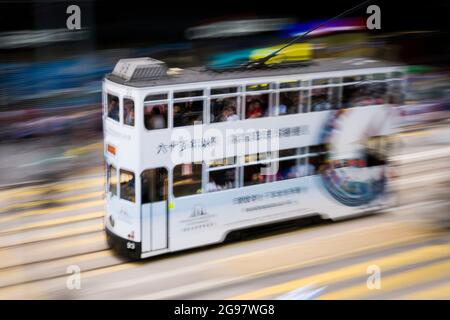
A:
225, 104
113, 107
156, 97
187, 113
224, 109
128, 112
288, 103
365, 90
226, 90
289, 84
320, 82
187, 94
258, 87
155, 113
188, 108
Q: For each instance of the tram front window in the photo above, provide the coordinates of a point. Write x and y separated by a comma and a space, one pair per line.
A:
128, 112
113, 107
127, 185
112, 180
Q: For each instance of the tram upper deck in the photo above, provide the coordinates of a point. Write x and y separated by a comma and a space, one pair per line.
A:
200, 74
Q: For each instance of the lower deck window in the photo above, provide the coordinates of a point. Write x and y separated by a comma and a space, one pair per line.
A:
253, 174
127, 186
187, 179
221, 180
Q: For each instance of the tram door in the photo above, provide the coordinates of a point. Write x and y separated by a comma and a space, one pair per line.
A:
154, 215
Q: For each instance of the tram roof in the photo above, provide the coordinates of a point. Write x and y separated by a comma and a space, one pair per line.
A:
201, 74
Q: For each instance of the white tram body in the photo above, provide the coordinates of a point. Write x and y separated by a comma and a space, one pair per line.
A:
308, 126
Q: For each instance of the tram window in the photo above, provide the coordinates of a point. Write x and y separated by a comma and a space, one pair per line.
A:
320, 82
319, 99
289, 102
222, 162
358, 78
287, 169
155, 116
224, 109
379, 92
257, 157
335, 98
127, 185
187, 113
317, 163
253, 174
155, 97
224, 90
187, 179
320, 148
187, 94
128, 112
379, 76
112, 180
221, 180
288, 152
154, 185
396, 95
304, 102
113, 107
397, 75
258, 87
360, 94
256, 106
289, 84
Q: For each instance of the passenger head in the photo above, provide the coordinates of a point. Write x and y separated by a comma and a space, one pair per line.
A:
254, 104
156, 111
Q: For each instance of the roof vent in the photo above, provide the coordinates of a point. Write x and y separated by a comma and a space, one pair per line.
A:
140, 69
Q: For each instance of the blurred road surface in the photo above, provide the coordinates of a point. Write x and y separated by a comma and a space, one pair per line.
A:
46, 228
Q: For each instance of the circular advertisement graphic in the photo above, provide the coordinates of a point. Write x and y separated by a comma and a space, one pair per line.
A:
356, 142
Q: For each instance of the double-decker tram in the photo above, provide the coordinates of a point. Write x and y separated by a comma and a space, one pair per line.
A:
193, 154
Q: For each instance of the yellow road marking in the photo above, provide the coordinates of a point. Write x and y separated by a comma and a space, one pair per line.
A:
389, 283
357, 270
441, 291
35, 212
82, 196
397, 228
59, 187
55, 235
53, 222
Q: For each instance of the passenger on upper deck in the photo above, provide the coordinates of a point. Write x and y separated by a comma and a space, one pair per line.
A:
255, 109
156, 120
